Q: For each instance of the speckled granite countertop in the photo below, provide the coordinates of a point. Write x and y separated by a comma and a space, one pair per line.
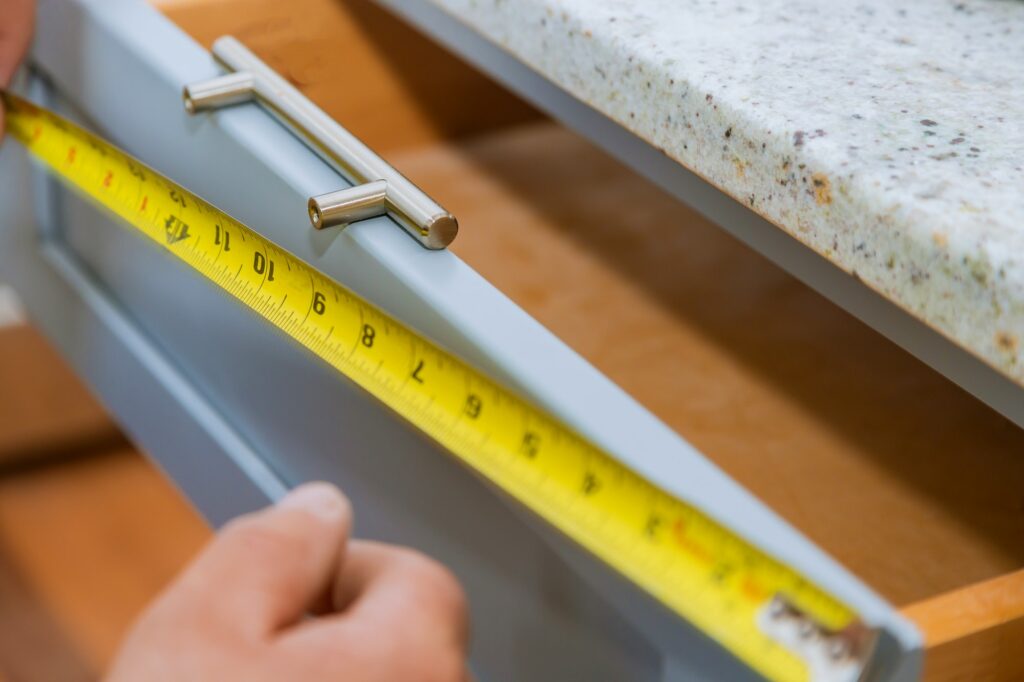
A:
888, 135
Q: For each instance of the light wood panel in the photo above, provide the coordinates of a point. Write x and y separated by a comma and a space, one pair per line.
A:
91, 541
89, 531
44, 410
874, 456
379, 78
903, 477
963, 612
33, 646
976, 632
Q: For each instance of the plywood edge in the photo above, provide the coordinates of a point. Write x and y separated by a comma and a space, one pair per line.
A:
46, 411
970, 632
969, 610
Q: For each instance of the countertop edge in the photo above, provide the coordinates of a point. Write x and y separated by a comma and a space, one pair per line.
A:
952, 287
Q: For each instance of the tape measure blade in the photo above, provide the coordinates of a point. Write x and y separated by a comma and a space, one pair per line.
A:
690, 563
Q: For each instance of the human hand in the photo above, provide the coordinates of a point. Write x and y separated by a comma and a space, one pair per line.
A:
16, 20
382, 613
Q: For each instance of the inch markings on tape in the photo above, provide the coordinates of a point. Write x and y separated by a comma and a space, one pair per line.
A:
763, 612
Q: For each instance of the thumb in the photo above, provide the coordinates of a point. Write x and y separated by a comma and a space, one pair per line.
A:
265, 570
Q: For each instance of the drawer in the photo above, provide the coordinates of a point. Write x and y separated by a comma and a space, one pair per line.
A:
575, 281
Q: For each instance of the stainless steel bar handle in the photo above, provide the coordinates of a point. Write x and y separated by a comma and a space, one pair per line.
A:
379, 187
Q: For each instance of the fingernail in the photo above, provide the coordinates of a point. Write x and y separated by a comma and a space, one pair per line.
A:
320, 499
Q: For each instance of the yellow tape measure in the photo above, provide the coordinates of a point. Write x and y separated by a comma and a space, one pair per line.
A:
702, 571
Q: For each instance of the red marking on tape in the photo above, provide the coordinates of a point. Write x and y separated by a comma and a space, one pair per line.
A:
678, 532
753, 590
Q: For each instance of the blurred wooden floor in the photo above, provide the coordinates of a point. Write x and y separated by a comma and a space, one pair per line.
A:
89, 530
